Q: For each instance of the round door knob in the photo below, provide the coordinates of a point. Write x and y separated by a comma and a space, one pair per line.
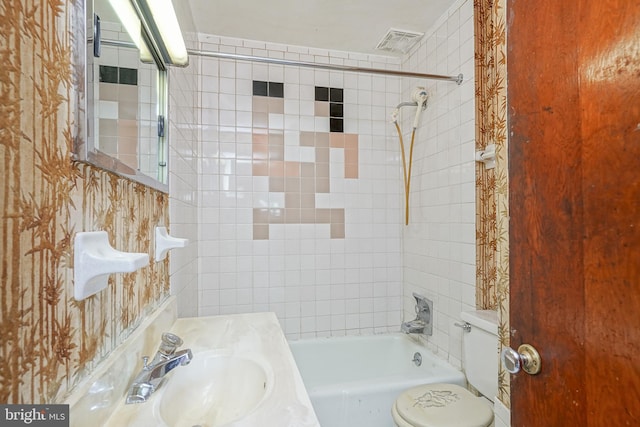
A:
526, 358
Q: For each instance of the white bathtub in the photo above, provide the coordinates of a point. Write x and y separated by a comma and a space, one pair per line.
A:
353, 381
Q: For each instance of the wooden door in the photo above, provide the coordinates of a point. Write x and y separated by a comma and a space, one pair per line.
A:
574, 160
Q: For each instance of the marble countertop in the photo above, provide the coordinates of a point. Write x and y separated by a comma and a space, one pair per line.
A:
286, 404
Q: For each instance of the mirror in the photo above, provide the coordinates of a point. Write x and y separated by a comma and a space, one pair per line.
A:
126, 98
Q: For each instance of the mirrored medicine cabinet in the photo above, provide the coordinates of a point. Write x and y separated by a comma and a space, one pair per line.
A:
126, 93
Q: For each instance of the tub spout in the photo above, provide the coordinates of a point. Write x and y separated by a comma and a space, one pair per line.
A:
415, 326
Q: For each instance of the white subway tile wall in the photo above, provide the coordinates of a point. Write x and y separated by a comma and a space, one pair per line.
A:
439, 243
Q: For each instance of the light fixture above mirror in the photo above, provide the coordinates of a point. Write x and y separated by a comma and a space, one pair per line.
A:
153, 24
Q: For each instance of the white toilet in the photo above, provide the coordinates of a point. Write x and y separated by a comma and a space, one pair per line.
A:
449, 405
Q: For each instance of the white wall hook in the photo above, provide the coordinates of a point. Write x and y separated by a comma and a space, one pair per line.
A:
487, 156
94, 260
164, 243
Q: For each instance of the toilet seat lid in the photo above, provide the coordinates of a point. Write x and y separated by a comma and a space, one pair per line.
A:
442, 405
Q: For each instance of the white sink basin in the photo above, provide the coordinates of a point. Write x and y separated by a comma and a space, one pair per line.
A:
230, 382
215, 389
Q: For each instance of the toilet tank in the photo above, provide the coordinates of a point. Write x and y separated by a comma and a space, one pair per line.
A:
480, 351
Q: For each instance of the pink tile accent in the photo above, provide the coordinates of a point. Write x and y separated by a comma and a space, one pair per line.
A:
276, 105
260, 104
322, 109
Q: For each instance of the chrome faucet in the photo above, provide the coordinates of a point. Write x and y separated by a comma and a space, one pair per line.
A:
423, 323
152, 374
415, 326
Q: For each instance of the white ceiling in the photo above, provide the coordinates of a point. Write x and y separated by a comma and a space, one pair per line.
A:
346, 25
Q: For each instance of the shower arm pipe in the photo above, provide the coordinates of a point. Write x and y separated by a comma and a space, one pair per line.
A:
221, 55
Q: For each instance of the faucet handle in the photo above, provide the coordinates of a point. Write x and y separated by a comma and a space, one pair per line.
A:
169, 343
145, 362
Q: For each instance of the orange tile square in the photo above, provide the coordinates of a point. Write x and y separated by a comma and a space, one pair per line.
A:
308, 170
276, 184
292, 200
337, 231
323, 216
292, 216
292, 185
308, 201
276, 168
322, 155
307, 139
260, 231
307, 216
261, 216
351, 170
337, 140
276, 105
322, 139
260, 168
323, 170
276, 137
291, 169
308, 186
322, 185
337, 215
260, 104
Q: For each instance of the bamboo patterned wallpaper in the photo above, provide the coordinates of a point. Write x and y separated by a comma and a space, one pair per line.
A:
492, 234
49, 340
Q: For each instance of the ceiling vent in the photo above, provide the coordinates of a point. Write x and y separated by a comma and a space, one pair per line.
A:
400, 41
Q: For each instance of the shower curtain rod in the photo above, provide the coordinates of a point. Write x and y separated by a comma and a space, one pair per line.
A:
221, 55
457, 79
